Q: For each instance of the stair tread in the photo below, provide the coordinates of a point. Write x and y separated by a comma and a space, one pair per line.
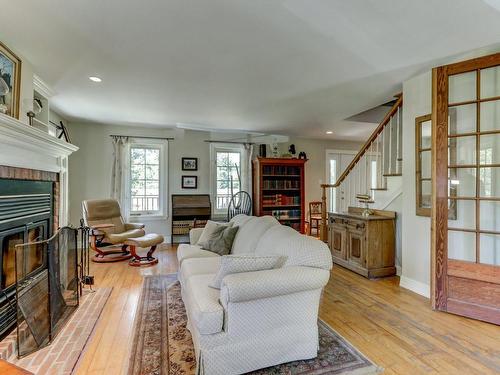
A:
377, 189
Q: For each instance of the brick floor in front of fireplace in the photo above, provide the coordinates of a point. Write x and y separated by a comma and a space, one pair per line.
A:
61, 356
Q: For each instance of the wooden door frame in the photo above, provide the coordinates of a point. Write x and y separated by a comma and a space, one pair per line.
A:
439, 222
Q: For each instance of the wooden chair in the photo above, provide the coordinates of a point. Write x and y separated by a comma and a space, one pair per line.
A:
240, 203
315, 209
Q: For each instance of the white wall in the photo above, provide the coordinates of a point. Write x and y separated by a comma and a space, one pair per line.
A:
416, 234
91, 165
316, 164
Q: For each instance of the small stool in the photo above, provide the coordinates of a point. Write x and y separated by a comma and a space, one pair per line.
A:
150, 240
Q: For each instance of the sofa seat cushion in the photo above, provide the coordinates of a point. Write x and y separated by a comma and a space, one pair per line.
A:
198, 266
202, 304
185, 251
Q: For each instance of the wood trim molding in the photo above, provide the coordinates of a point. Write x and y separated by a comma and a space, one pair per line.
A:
420, 211
439, 222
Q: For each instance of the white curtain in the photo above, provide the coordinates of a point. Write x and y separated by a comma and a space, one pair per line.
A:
120, 174
246, 168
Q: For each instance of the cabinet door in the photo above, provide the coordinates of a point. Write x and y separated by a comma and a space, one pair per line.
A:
356, 247
338, 241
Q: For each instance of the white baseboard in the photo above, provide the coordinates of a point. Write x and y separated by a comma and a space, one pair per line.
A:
415, 286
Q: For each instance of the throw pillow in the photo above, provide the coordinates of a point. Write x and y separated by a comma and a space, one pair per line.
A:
220, 240
209, 229
244, 263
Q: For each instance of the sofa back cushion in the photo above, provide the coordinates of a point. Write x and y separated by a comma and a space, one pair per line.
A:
250, 233
240, 219
299, 250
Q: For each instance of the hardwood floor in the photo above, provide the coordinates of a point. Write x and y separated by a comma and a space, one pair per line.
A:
392, 326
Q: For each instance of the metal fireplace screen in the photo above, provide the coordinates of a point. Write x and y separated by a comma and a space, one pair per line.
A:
47, 299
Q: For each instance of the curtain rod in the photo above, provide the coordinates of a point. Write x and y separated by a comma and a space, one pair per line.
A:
143, 137
232, 142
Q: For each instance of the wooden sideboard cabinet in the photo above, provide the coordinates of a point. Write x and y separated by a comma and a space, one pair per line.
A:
365, 245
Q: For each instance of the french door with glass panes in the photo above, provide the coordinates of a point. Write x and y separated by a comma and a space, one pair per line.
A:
466, 188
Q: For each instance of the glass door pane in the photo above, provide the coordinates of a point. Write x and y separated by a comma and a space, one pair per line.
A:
490, 249
462, 246
462, 87
10, 240
35, 255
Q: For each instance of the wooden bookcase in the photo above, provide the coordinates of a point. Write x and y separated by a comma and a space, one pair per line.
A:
279, 190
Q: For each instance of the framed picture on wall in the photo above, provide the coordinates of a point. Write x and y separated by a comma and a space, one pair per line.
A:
10, 80
189, 164
189, 182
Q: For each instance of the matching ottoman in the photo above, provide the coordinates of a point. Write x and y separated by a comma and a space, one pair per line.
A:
150, 240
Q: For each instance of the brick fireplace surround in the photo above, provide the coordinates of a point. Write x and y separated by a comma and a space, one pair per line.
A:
27, 153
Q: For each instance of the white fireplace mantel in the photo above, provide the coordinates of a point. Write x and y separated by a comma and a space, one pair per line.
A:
24, 146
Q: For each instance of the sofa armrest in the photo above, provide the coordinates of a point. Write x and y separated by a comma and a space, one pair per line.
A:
194, 235
129, 226
247, 286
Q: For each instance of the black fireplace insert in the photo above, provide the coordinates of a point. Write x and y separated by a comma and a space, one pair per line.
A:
26, 216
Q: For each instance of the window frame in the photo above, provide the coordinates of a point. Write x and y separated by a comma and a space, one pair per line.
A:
162, 212
420, 210
214, 149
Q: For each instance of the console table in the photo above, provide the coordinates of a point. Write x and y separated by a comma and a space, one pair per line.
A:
363, 244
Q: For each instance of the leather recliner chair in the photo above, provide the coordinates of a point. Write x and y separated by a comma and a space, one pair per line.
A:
108, 231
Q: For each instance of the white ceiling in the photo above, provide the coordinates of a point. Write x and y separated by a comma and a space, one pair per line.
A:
295, 67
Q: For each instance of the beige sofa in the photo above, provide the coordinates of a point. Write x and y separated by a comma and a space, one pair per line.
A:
257, 319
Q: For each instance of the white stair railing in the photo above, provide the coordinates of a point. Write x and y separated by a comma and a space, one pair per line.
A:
384, 147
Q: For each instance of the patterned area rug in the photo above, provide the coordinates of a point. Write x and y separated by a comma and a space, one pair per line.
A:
162, 345
62, 355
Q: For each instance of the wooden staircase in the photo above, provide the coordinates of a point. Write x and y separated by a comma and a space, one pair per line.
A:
380, 157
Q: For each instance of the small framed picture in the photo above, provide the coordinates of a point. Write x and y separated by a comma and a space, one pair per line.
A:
189, 164
189, 182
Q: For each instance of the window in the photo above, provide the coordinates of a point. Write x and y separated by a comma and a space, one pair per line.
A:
230, 172
228, 169
147, 192
423, 181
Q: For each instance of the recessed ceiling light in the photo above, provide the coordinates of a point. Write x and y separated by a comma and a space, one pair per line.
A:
329, 132
95, 79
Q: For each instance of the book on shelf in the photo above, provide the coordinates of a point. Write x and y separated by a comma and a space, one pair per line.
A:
281, 184
280, 200
284, 214
280, 170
